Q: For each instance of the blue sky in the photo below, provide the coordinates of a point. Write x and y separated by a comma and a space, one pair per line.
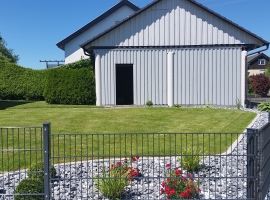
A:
33, 27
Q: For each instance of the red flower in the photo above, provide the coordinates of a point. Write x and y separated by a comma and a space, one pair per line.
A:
183, 194
137, 157
119, 163
163, 184
178, 172
184, 179
162, 191
168, 165
134, 159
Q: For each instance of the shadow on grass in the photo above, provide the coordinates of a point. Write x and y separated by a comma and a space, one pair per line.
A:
4, 104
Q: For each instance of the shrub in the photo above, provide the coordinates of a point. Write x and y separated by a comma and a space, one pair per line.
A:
260, 83
178, 186
250, 86
264, 106
30, 186
149, 103
83, 63
112, 184
238, 104
19, 83
208, 105
190, 160
176, 106
70, 86
37, 171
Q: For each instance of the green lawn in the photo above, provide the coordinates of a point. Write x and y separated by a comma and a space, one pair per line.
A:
92, 121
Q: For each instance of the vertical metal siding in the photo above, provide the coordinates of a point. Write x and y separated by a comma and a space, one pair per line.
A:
201, 76
175, 22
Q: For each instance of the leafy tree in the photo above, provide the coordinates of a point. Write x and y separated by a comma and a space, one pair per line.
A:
267, 71
7, 54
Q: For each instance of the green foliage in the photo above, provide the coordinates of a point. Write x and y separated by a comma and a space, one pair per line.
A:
18, 83
179, 186
264, 106
190, 160
208, 105
37, 171
176, 106
70, 86
238, 103
149, 103
7, 54
250, 86
83, 63
112, 184
30, 186
260, 83
267, 71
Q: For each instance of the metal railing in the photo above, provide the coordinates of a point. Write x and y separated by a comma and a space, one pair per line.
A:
85, 164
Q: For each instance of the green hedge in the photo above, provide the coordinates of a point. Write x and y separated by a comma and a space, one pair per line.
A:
70, 86
83, 63
19, 83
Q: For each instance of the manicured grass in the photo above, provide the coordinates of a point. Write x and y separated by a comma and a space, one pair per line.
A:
86, 119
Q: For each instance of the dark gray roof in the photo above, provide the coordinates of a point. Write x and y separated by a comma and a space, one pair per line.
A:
157, 1
256, 56
62, 44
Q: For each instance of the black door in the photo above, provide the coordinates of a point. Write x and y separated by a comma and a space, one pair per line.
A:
124, 84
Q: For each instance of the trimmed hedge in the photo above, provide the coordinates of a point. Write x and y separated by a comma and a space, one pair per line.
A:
70, 86
19, 83
83, 63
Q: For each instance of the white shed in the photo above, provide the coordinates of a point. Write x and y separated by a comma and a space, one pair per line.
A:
71, 44
172, 52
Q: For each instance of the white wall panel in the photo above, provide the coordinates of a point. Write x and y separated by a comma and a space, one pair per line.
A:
175, 22
201, 75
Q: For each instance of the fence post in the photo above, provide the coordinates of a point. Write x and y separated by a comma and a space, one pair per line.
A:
46, 145
251, 166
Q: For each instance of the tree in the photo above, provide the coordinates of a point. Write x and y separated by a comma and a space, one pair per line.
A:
7, 54
267, 71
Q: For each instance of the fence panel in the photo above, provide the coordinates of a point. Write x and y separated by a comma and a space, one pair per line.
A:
20, 147
264, 160
149, 166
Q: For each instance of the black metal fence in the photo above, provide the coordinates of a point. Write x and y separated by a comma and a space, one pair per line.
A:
133, 165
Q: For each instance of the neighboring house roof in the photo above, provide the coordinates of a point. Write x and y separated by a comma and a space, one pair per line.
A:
157, 1
256, 56
122, 3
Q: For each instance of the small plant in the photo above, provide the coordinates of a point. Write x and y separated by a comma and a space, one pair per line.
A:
190, 160
149, 103
208, 105
30, 186
113, 183
238, 104
178, 186
264, 106
176, 106
37, 171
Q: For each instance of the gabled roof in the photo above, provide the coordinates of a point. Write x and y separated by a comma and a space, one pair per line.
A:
122, 3
157, 1
256, 56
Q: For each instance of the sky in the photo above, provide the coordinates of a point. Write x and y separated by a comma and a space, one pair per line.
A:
33, 27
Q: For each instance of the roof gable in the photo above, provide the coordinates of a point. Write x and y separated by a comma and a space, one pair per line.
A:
256, 57
122, 3
159, 5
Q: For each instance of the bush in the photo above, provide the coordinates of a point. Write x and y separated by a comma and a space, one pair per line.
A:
149, 103
30, 186
176, 106
18, 83
37, 171
264, 106
190, 161
260, 83
83, 63
70, 86
250, 86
